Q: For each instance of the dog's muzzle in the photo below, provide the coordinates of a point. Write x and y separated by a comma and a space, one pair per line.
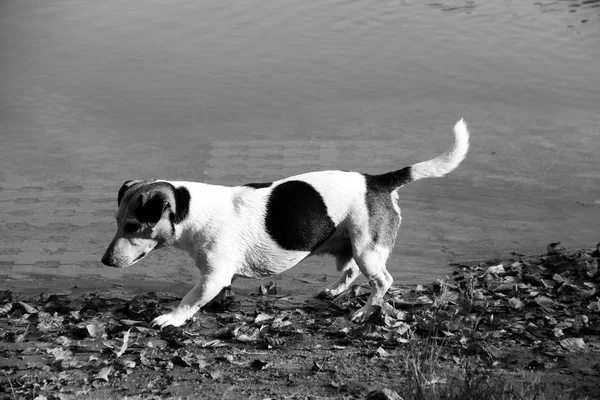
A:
109, 262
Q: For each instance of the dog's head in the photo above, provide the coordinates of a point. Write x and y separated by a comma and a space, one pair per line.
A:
146, 219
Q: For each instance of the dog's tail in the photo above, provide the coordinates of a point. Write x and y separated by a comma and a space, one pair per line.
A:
434, 168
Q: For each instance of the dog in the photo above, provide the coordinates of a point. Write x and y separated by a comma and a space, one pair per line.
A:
261, 229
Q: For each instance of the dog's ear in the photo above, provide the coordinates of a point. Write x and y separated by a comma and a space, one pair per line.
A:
126, 186
182, 204
152, 207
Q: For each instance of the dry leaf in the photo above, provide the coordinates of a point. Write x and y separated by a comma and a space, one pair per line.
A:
496, 269
59, 353
103, 374
6, 308
381, 352
27, 308
96, 329
573, 344
516, 303
262, 317
125, 344
246, 334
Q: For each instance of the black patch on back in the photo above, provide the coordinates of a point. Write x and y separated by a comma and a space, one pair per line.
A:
259, 185
182, 205
384, 221
297, 217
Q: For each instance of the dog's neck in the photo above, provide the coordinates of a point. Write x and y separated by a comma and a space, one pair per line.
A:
207, 203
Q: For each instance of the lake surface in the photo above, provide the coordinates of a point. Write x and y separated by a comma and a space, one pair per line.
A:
96, 93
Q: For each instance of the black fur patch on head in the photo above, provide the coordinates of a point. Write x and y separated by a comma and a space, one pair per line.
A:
258, 185
182, 204
384, 220
297, 217
150, 210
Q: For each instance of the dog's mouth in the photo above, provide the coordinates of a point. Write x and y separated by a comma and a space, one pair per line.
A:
138, 258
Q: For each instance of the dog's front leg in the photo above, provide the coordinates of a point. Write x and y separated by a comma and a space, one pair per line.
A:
209, 286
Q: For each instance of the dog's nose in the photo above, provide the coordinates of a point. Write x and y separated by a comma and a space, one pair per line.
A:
106, 261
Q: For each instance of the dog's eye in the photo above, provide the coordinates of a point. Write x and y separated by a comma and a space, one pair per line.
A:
131, 227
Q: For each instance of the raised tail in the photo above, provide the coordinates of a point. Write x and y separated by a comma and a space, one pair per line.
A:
436, 167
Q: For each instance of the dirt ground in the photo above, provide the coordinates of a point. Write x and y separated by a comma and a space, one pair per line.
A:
525, 327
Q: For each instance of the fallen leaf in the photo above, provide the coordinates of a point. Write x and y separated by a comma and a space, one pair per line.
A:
246, 333
128, 362
268, 288
210, 343
231, 360
6, 308
63, 341
103, 374
26, 307
125, 344
573, 344
516, 303
381, 352
59, 353
496, 269
216, 375
424, 300
262, 317
544, 301
130, 322
50, 323
96, 329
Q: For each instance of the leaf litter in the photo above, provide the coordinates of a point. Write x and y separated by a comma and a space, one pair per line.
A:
528, 312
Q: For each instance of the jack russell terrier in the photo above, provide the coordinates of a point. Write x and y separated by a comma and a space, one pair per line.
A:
262, 229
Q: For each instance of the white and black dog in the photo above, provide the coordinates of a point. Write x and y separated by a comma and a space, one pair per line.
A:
262, 229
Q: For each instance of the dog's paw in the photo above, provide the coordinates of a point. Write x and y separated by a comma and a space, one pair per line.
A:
168, 319
326, 294
362, 315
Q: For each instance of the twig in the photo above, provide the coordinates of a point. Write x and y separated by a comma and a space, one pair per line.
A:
553, 162
11, 386
313, 377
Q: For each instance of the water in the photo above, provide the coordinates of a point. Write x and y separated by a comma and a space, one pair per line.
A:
95, 93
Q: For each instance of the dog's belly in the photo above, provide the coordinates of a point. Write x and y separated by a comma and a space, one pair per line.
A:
263, 261
260, 263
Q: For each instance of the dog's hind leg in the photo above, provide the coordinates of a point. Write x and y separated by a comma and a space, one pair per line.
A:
371, 262
209, 286
350, 272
